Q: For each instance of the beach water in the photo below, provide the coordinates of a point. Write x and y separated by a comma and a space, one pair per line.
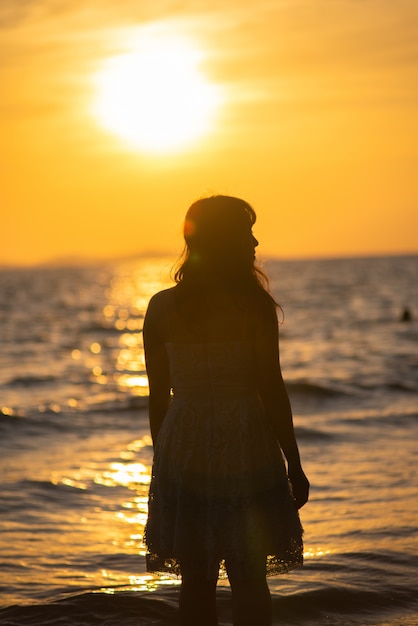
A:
75, 453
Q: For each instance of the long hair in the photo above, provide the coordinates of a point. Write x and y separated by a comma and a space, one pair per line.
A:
219, 249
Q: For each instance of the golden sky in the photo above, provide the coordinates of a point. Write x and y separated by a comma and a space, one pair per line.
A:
313, 121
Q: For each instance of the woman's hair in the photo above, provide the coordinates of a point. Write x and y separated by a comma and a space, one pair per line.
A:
219, 248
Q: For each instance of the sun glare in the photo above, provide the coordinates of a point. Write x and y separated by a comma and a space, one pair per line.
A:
156, 97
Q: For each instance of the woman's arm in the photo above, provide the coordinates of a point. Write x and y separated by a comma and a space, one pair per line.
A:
156, 364
276, 401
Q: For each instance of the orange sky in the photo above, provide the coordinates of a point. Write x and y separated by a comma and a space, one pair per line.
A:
317, 127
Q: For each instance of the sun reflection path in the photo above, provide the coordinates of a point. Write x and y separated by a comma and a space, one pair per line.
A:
130, 513
128, 295
113, 353
130, 475
312, 553
113, 350
141, 583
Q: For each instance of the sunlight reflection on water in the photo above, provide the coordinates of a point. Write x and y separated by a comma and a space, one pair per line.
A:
78, 454
128, 298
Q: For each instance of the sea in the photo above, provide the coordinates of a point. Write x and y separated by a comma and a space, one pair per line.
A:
76, 454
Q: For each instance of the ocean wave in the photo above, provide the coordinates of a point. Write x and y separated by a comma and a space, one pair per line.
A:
26, 381
311, 434
11, 420
108, 413
404, 418
330, 604
37, 424
125, 403
314, 390
41, 494
409, 387
91, 609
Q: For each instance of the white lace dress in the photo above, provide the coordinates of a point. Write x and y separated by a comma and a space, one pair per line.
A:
219, 488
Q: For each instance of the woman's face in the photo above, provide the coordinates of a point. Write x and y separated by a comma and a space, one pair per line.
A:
246, 244
254, 243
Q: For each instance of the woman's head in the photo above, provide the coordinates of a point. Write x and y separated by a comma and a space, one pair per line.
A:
218, 235
220, 246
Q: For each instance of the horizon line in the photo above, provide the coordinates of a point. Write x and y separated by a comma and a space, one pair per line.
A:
79, 260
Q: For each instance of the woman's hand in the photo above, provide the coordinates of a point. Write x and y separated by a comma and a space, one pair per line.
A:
300, 486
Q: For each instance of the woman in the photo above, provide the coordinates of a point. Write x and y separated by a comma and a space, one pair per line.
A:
221, 500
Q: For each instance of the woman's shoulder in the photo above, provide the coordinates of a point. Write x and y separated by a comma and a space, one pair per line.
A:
161, 298
158, 312
159, 305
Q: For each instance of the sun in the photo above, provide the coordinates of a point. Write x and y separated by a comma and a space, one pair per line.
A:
156, 97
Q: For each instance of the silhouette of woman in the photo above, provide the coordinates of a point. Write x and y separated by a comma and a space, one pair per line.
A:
221, 501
